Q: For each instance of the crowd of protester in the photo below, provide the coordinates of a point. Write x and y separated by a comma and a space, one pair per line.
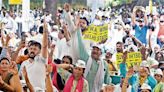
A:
54, 57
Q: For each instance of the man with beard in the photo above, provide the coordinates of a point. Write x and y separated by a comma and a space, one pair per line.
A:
119, 47
35, 65
127, 39
140, 28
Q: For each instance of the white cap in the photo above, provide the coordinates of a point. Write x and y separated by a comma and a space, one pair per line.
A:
144, 64
152, 61
55, 27
23, 82
162, 36
127, 26
132, 47
96, 45
81, 64
110, 50
158, 71
145, 86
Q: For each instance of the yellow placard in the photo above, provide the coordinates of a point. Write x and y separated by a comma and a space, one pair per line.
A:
96, 33
119, 58
133, 59
15, 2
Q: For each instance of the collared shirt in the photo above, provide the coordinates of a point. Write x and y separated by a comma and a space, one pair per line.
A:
36, 71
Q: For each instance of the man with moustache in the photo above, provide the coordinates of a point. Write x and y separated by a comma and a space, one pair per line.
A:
35, 65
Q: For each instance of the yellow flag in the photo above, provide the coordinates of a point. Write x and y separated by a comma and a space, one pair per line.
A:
15, 2
151, 6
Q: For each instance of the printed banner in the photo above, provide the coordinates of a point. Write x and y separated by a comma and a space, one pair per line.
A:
96, 33
15, 2
133, 59
119, 58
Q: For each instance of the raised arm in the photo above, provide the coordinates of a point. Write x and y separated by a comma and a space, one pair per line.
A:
136, 40
49, 87
150, 33
66, 33
145, 18
14, 55
45, 41
67, 17
82, 50
50, 55
4, 52
125, 82
133, 16
15, 80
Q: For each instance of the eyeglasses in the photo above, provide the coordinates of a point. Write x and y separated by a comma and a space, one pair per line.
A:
157, 75
144, 91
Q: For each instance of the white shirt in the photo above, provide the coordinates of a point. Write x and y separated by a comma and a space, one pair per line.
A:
63, 48
118, 88
18, 19
36, 71
97, 22
115, 36
54, 35
37, 38
11, 25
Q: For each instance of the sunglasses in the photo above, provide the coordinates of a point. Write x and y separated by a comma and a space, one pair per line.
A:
161, 21
140, 21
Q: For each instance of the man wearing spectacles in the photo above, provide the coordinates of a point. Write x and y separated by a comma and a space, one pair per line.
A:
161, 26
141, 25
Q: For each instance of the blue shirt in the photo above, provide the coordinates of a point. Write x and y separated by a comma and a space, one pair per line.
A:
140, 33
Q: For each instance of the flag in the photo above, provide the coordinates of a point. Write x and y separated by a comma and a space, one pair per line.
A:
151, 6
44, 4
